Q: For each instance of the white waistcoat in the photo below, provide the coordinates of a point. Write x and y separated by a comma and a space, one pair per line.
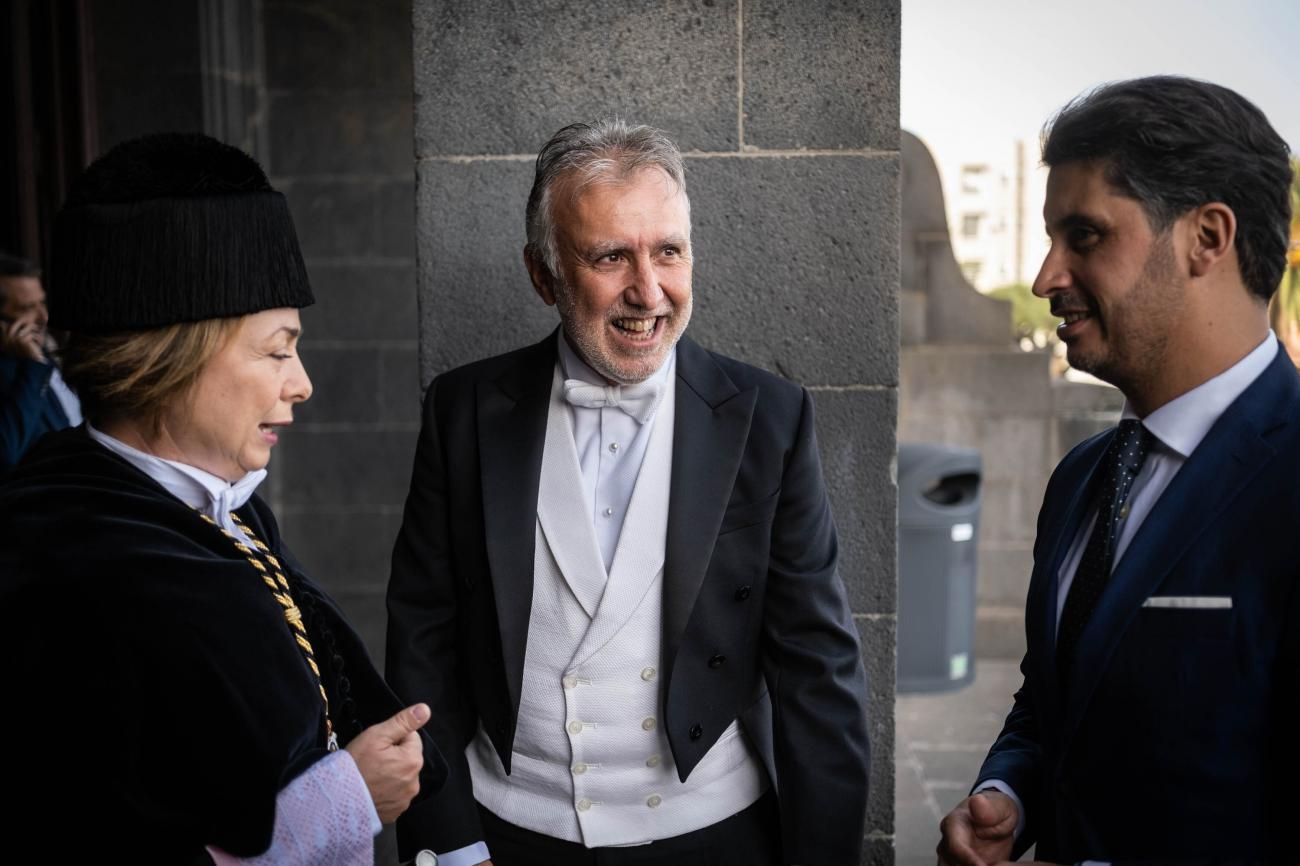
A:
591, 763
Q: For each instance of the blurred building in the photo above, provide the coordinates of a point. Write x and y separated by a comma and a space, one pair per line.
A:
995, 215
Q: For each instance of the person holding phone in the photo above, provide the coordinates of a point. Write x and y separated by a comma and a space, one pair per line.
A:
34, 400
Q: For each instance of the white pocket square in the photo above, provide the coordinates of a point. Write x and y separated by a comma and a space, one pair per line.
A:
1190, 602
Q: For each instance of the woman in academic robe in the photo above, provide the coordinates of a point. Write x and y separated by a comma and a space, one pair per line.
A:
176, 689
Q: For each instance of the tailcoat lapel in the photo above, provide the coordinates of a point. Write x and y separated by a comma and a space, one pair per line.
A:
1223, 465
709, 434
511, 417
639, 555
561, 508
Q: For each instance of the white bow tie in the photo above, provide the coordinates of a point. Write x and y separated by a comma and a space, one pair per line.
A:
638, 400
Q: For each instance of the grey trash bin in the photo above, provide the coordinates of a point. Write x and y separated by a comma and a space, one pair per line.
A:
938, 516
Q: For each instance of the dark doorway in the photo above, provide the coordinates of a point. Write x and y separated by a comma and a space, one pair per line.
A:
46, 89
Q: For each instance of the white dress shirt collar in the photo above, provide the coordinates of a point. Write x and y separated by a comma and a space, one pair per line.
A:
197, 488
1183, 422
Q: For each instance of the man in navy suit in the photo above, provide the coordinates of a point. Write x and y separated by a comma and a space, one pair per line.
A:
1159, 714
33, 398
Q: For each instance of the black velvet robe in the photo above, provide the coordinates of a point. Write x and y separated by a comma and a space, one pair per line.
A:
155, 700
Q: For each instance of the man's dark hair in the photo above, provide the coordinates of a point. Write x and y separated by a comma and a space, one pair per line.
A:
1174, 144
17, 266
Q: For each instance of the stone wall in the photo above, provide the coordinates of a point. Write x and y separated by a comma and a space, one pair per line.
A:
338, 107
787, 112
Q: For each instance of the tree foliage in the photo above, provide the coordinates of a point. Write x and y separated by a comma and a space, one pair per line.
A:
1030, 316
1285, 310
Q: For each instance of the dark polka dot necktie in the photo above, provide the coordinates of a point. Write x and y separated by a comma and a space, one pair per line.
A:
1119, 467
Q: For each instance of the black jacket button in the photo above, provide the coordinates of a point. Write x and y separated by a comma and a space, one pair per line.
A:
716, 661
742, 593
696, 731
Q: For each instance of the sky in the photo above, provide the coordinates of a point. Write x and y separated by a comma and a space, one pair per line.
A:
979, 74
980, 71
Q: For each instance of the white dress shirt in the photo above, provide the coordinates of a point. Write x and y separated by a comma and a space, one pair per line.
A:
1177, 428
68, 401
611, 445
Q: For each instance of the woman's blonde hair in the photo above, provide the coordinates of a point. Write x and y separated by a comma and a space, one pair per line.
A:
138, 374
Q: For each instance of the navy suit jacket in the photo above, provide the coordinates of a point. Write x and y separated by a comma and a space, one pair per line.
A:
1179, 738
28, 408
750, 576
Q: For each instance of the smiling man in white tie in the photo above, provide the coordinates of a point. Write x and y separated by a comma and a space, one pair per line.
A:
616, 577
1157, 720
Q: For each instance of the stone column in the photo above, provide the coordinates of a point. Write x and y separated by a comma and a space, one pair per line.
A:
788, 115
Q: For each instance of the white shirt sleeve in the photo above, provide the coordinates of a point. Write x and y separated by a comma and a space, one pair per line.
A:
470, 855
325, 817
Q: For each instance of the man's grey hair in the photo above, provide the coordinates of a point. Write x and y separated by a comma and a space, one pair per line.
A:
586, 153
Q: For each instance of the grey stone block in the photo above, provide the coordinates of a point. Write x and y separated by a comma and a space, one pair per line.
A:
344, 551
361, 302
323, 45
1015, 445
475, 296
1000, 632
855, 431
366, 612
395, 213
501, 76
346, 385
399, 385
351, 468
341, 132
878, 852
824, 310
1009, 509
878, 641
1004, 573
132, 104
928, 422
797, 265
976, 381
333, 218
821, 74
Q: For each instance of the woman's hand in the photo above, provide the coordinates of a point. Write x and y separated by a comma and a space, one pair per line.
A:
389, 756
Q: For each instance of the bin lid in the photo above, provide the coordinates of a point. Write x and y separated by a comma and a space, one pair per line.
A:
937, 484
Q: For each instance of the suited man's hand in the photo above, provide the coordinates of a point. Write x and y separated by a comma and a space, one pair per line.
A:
979, 831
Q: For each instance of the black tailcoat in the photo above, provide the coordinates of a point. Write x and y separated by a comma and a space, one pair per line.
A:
750, 584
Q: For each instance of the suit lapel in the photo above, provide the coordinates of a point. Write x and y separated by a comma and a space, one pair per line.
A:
511, 418
1223, 465
709, 433
1075, 512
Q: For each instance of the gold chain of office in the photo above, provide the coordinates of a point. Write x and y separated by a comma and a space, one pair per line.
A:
273, 577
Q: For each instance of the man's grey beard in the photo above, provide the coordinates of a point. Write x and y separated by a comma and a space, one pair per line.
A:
588, 346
